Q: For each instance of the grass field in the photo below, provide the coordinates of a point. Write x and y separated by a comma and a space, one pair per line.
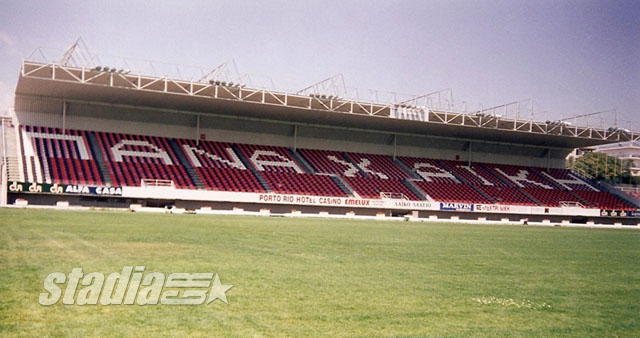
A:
313, 277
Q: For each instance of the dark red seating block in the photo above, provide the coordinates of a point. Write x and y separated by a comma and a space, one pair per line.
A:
550, 197
566, 179
379, 166
70, 158
507, 195
429, 170
452, 192
604, 200
64, 157
219, 167
270, 158
522, 177
132, 158
475, 173
330, 162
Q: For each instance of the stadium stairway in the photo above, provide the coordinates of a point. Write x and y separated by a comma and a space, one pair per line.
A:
13, 165
604, 186
195, 178
103, 169
546, 179
22, 159
349, 159
443, 165
607, 188
579, 198
409, 183
589, 181
302, 162
452, 172
408, 170
496, 175
344, 186
536, 201
571, 192
250, 166
482, 193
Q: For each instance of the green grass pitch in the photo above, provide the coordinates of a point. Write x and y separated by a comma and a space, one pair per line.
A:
321, 277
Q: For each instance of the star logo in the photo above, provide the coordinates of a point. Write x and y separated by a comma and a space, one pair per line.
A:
218, 291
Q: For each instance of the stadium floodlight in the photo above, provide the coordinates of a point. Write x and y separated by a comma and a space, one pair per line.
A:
97, 68
618, 130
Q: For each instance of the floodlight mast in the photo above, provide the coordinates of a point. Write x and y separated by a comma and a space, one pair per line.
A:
594, 114
427, 100
333, 85
227, 71
77, 55
517, 105
586, 115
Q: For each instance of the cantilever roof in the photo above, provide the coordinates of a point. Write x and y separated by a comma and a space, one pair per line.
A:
86, 85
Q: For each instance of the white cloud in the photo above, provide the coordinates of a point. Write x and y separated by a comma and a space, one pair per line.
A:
7, 39
8, 44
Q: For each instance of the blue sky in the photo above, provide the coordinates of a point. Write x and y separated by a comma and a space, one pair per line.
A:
570, 57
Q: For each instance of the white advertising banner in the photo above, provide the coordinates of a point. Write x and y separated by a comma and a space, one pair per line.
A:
535, 210
246, 197
348, 202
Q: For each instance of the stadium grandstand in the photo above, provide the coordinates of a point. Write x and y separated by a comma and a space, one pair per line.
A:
90, 134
